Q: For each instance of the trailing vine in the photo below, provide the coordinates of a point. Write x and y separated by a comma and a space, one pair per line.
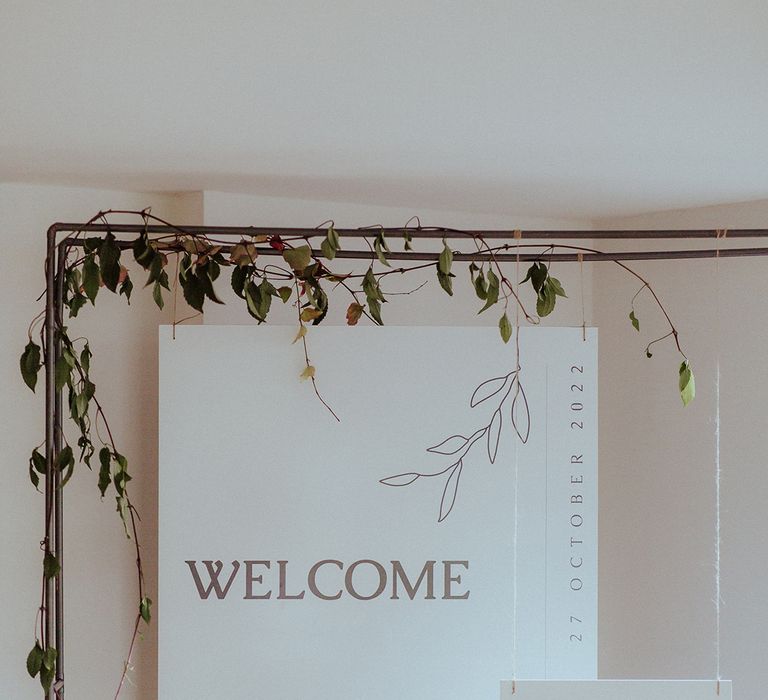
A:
93, 265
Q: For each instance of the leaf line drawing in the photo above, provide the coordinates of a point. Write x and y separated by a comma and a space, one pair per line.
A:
458, 446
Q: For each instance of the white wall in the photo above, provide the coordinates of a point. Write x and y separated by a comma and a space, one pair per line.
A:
100, 585
657, 462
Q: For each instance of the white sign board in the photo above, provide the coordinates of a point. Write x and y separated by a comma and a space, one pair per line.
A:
301, 557
616, 690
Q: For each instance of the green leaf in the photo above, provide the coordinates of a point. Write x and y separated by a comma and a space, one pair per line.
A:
33, 477
186, 267
238, 280
333, 237
374, 308
505, 328
545, 302
633, 318
194, 290
266, 289
321, 303
50, 565
557, 288
91, 278
38, 462
35, 660
156, 269
85, 358
687, 383
371, 286
109, 262
62, 373
122, 510
80, 406
285, 293
69, 356
73, 280
445, 281
481, 289
46, 679
143, 253
145, 609
68, 474
126, 288
89, 389
65, 463
49, 658
298, 258
206, 275
492, 293
253, 301
30, 364
537, 274
48, 668
379, 246
92, 244
105, 476
63, 458
120, 479
327, 249
445, 260
157, 295
269, 288
76, 303
86, 449
122, 462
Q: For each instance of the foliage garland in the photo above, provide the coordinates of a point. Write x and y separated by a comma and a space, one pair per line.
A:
94, 263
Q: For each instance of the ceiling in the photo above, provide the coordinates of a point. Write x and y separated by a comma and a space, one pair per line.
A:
582, 109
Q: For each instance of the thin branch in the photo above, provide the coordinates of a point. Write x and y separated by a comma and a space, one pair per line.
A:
306, 354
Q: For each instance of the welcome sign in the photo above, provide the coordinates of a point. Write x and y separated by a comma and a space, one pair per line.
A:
375, 557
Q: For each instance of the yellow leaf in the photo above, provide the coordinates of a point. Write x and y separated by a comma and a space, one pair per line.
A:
195, 246
354, 312
302, 332
308, 373
243, 254
310, 314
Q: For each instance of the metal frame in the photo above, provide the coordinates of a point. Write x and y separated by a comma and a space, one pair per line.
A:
53, 599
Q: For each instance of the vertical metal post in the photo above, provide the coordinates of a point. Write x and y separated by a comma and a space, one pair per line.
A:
58, 500
53, 594
50, 425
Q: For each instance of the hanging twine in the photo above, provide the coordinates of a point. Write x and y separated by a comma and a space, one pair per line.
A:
580, 257
518, 237
514, 575
720, 234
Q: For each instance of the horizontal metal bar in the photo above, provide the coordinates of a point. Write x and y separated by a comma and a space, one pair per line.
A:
586, 256
416, 233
